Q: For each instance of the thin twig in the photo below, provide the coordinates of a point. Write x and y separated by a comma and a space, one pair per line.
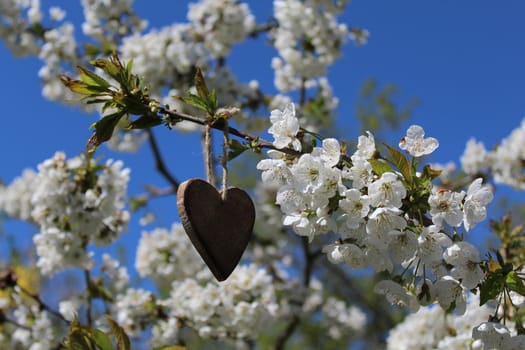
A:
381, 316
262, 28
160, 165
309, 259
302, 92
219, 125
89, 302
41, 304
16, 324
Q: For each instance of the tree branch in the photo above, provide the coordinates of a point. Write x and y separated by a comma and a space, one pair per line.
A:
174, 116
89, 303
41, 303
309, 259
160, 165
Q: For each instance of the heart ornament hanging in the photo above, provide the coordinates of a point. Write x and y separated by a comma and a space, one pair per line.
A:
219, 226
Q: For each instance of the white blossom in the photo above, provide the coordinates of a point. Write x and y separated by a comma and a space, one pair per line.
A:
69, 307
506, 161
345, 252
15, 199
70, 211
285, 127
476, 200
474, 158
492, 335
415, 142
360, 173
388, 190
56, 13
355, 206
366, 147
132, 308
445, 206
396, 294
301, 22
376, 253
431, 243
402, 244
166, 255
341, 318
432, 328
221, 24
331, 152
118, 277
240, 307
449, 292
110, 17
384, 220
466, 261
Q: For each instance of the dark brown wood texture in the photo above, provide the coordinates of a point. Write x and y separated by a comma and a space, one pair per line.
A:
219, 230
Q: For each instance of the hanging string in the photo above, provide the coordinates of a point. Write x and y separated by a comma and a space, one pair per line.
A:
208, 160
224, 160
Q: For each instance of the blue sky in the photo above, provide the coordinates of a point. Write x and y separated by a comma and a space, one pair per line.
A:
464, 60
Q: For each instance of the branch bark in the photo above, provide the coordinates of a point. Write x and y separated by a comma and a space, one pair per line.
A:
309, 259
175, 116
160, 165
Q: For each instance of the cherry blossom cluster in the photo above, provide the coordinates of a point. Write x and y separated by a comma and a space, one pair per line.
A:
166, 56
433, 328
27, 31
366, 203
240, 308
74, 203
221, 24
236, 310
36, 331
505, 162
16, 16
59, 45
110, 19
167, 255
308, 38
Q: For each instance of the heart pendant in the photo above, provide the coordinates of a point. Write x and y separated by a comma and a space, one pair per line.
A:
219, 229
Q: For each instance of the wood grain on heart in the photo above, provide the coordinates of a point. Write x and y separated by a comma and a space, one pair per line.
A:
220, 230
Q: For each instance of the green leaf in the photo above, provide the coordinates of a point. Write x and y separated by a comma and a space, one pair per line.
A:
91, 50
102, 340
236, 148
97, 290
129, 67
195, 101
104, 129
380, 167
212, 101
515, 283
121, 336
145, 122
86, 338
136, 203
171, 347
92, 78
80, 87
401, 162
491, 287
111, 66
200, 85
429, 173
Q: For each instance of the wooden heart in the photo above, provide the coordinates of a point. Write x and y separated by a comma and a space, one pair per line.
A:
219, 230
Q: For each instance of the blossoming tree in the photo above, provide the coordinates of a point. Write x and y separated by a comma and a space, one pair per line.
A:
324, 208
